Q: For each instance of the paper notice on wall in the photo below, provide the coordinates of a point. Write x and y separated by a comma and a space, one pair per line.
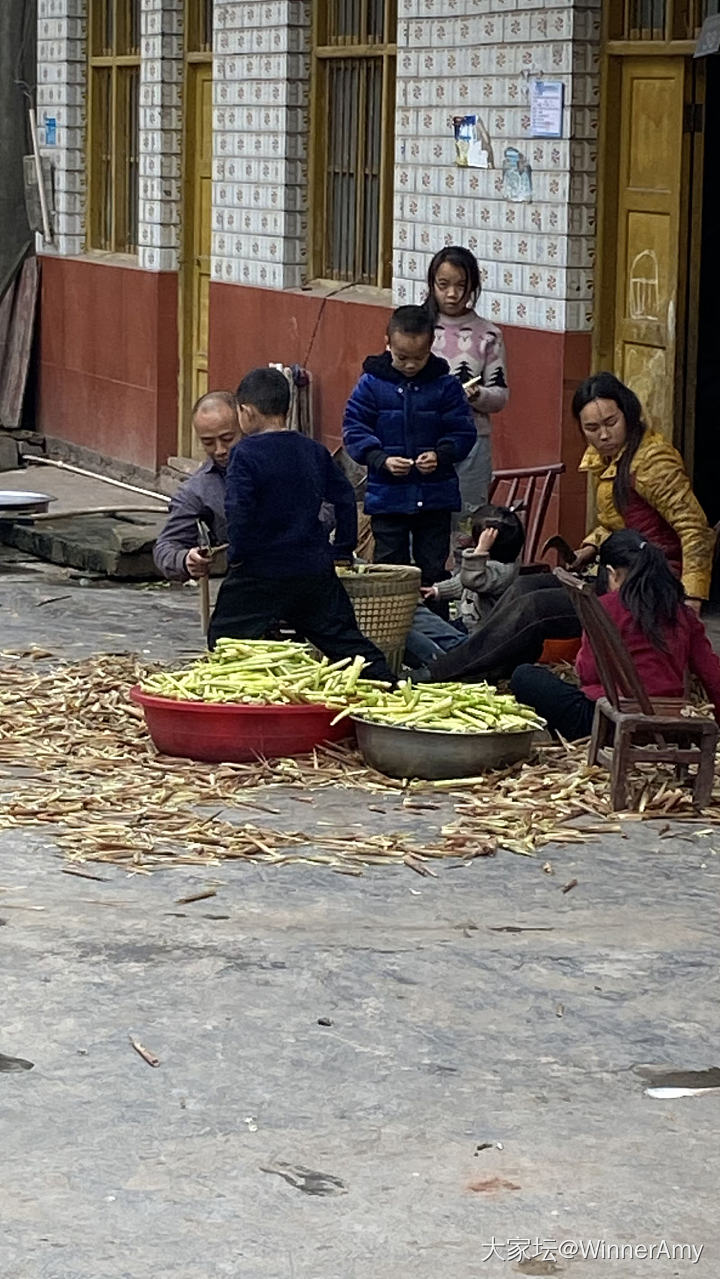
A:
546, 108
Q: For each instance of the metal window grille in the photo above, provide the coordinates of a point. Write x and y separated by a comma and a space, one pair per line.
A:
199, 26
354, 103
702, 9
114, 125
647, 19
655, 20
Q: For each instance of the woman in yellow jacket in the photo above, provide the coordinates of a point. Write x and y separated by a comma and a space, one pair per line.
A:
641, 483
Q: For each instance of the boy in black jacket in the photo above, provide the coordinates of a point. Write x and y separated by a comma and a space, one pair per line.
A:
281, 563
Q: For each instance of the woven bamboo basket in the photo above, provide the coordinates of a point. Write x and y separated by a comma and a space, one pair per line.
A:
384, 597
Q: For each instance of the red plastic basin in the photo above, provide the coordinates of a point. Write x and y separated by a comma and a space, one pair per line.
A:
233, 733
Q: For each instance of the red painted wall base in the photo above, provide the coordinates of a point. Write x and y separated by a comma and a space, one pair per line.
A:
109, 366
332, 336
109, 359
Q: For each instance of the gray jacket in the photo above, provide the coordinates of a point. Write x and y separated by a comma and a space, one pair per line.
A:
478, 585
200, 497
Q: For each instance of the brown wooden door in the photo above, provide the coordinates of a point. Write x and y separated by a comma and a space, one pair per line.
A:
196, 248
650, 205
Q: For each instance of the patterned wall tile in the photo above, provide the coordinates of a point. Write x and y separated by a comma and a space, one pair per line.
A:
261, 128
161, 70
454, 57
61, 79
479, 57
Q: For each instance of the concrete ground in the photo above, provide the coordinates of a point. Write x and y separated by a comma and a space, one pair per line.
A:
383, 1077
68, 491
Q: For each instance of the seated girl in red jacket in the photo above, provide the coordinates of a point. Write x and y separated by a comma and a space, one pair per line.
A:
663, 636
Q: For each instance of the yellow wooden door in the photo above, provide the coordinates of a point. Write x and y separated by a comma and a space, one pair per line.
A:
197, 240
648, 232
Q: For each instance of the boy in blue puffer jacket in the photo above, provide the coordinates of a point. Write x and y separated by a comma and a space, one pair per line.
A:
409, 421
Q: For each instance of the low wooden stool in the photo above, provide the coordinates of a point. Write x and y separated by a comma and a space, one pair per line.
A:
628, 734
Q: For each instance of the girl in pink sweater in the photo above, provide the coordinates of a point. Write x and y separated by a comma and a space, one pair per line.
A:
474, 348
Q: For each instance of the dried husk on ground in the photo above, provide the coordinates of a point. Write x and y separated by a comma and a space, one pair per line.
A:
75, 756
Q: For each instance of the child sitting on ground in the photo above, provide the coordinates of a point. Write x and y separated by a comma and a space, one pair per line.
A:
408, 420
281, 563
485, 571
661, 633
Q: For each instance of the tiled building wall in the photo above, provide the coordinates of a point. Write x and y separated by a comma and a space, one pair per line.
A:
61, 52
261, 122
161, 72
478, 57
62, 96
454, 57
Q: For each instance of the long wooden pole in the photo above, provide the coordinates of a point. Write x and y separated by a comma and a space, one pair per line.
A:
44, 214
85, 510
204, 604
93, 475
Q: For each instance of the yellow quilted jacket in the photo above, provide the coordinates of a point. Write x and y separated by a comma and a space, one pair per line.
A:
658, 476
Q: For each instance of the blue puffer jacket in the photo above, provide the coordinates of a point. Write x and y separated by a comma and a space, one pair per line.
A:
390, 415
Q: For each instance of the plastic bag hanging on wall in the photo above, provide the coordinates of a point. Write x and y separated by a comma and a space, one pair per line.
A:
517, 176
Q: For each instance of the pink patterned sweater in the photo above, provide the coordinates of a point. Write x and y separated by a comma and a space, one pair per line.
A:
474, 347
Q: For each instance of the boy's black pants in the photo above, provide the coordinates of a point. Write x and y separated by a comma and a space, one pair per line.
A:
316, 606
422, 539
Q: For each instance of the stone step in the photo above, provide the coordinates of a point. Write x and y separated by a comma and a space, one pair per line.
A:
118, 548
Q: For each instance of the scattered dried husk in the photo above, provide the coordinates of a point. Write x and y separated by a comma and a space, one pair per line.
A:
75, 756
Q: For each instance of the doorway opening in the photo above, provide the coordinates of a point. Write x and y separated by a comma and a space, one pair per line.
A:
706, 469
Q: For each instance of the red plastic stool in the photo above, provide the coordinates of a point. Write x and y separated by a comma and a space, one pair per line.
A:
559, 650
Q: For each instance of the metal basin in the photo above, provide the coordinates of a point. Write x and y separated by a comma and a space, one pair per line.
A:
18, 502
435, 756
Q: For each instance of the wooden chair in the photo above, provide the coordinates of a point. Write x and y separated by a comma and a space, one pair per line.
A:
630, 728
353, 471
528, 490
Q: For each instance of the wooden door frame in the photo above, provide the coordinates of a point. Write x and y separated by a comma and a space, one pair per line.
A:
691, 234
185, 281
686, 322
608, 181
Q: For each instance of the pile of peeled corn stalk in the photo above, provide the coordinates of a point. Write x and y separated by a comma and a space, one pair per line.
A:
77, 761
266, 673
275, 673
448, 708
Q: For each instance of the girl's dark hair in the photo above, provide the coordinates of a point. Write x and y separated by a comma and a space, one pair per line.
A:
465, 261
605, 386
511, 533
651, 592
